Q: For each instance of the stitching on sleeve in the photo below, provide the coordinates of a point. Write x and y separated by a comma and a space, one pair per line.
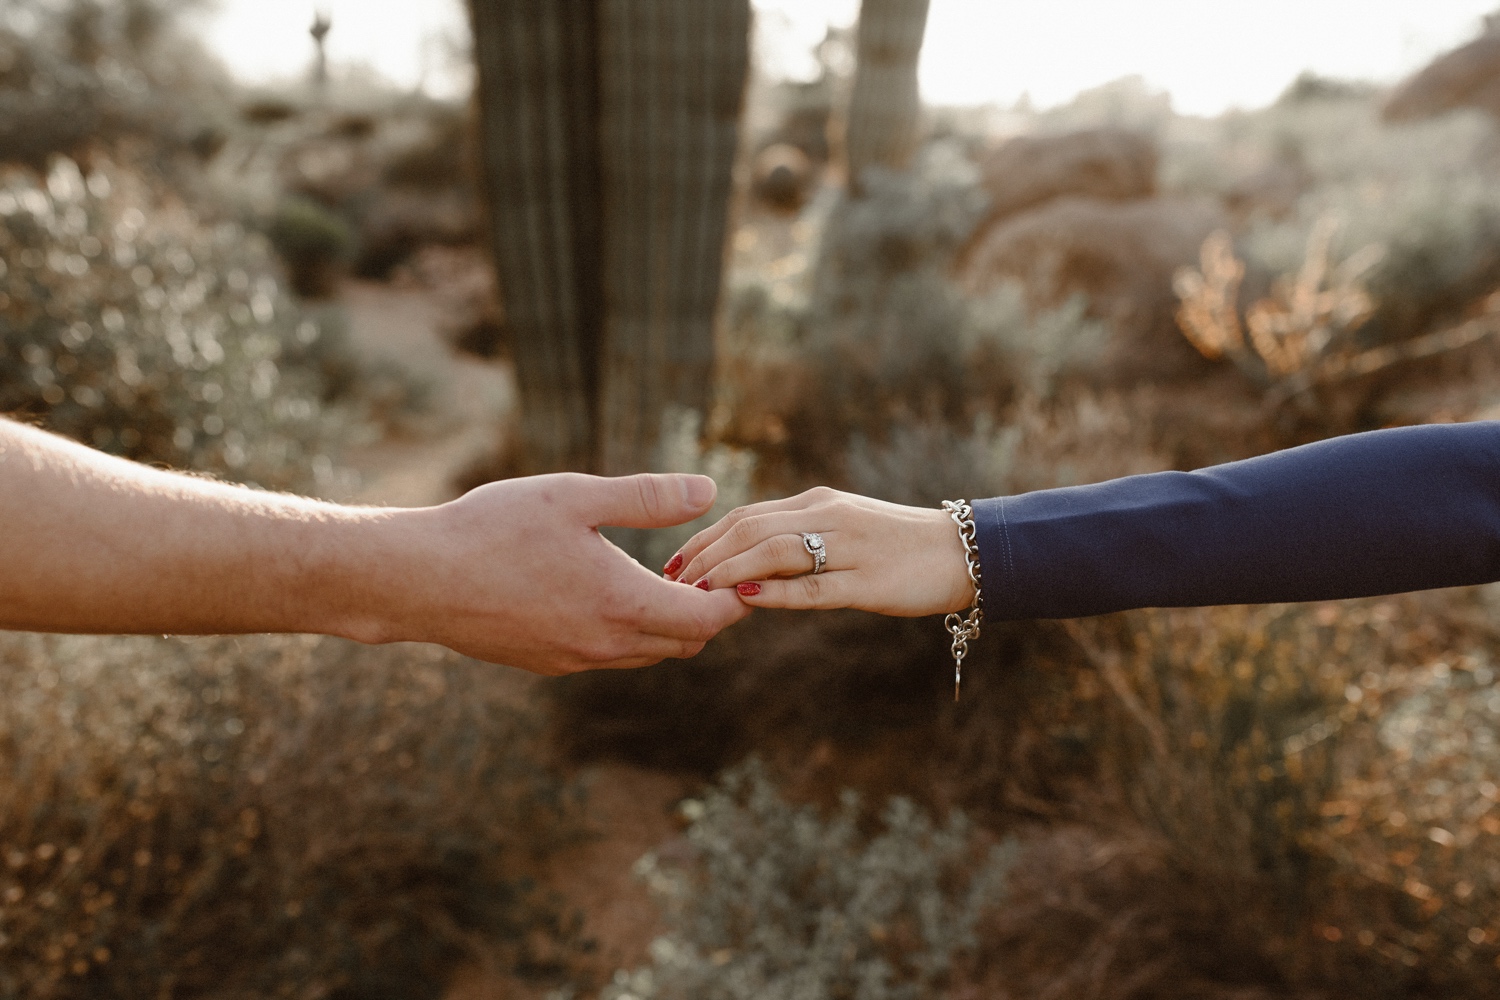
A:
1010, 563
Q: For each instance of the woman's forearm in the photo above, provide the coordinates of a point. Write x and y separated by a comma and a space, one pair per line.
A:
1379, 513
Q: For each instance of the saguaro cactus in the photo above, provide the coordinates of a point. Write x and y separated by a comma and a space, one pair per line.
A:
609, 138
881, 126
540, 147
672, 75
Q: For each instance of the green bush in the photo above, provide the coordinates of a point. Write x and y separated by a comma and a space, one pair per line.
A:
315, 242
131, 326
261, 817
782, 904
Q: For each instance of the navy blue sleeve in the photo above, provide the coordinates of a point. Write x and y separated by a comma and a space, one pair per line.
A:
1386, 512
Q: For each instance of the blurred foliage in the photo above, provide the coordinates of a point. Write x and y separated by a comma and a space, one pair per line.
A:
441, 158
779, 902
262, 817
129, 325
1240, 802
1327, 767
315, 243
884, 358
1425, 192
78, 73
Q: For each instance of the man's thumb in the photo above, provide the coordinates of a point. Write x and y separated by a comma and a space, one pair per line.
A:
655, 500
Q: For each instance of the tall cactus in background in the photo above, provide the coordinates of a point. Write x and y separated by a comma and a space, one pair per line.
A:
609, 131
672, 74
538, 106
881, 126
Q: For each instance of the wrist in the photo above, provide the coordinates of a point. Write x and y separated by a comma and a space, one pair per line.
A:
962, 593
945, 575
363, 574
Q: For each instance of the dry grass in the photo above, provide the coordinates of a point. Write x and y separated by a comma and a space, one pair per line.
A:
261, 817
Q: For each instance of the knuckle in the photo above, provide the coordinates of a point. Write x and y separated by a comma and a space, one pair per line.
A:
595, 650
822, 494
842, 506
742, 534
649, 491
704, 629
783, 549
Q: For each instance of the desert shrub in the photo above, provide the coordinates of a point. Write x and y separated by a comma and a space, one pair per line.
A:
80, 73
129, 325
441, 158
1425, 192
876, 250
779, 902
1413, 812
884, 345
1076, 438
1321, 771
260, 817
315, 243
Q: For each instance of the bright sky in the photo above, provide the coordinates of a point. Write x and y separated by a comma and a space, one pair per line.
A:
1209, 54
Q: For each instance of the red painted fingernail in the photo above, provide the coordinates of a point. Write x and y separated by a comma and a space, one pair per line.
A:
673, 565
747, 589
702, 584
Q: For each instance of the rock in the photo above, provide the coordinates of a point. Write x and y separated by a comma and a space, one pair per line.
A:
1272, 191
1120, 255
1467, 77
782, 175
1108, 163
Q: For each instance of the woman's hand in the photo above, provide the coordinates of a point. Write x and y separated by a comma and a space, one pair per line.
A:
883, 557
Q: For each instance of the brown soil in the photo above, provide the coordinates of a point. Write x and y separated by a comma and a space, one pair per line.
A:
469, 402
627, 810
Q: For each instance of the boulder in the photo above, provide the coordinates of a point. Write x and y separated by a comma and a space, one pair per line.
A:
1107, 163
1467, 77
1120, 255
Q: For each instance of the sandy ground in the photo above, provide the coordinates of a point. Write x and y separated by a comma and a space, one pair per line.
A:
469, 401
627, 811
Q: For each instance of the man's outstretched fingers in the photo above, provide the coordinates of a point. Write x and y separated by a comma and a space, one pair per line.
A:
647, 500
826, 590
654, 649
686, 613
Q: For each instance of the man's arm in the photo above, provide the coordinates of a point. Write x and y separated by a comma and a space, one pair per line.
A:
513, 572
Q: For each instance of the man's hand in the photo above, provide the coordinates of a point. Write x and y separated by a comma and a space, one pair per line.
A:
516, 572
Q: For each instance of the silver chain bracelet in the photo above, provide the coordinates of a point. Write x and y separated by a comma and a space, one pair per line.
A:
964, 629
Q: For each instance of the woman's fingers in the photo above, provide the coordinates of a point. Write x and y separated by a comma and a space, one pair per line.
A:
777, 556
757, 529
826, 590
703, 539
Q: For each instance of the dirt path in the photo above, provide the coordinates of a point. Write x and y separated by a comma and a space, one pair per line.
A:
627, 811
468, 401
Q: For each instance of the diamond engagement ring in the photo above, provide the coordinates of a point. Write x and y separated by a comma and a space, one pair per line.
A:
813, 543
